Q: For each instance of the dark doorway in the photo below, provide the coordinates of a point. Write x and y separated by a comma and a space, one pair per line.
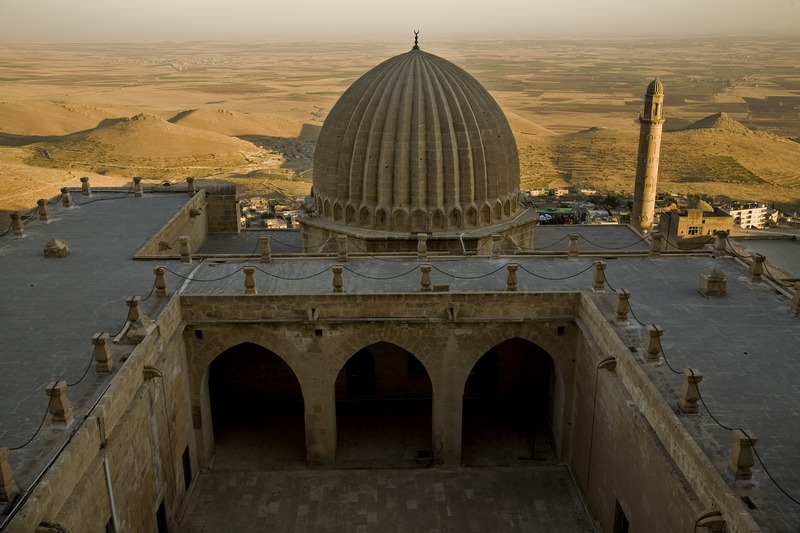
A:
507, 407
257, 410
360, 371
383, 410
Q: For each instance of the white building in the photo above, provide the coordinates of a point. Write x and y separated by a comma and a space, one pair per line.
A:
751, 215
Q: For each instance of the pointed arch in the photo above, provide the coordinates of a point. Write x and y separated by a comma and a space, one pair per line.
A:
381, 219
454, 218
437, 221
400, 220
513, 394
350, 214
254, 392
419, 220
365, 217
471, 217
486, 214
383, 394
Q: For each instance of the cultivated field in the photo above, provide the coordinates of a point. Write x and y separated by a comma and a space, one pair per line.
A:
251, 112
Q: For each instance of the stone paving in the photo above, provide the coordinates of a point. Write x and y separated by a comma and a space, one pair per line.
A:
541, 498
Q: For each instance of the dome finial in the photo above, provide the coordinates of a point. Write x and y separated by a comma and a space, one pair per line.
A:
416, 40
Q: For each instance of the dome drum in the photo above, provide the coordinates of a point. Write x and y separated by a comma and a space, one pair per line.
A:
402, 220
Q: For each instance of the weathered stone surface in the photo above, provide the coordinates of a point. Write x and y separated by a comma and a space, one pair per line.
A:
8, 487
713, 282
56, 248
139, 330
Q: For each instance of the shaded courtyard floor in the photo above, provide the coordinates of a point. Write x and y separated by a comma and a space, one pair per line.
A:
258, 480
536, 498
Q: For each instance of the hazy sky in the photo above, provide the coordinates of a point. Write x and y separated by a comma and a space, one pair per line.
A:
140, 20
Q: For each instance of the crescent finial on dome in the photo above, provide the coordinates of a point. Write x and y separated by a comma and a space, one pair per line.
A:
416, 40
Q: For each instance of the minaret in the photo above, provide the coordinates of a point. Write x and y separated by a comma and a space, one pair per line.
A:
644, 192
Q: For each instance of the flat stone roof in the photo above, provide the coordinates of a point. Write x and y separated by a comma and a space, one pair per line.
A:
51, 308
745, 343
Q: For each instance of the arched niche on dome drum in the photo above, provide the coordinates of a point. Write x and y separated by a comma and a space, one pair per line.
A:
454, 218
337, 211
419, 221
507, 208
381, 219
437, 221
471, 217
365, 217
350, 215
486, 214
327, 210
400, 220
497, 211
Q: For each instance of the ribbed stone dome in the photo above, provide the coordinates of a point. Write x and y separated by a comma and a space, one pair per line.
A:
655, 87
416, 144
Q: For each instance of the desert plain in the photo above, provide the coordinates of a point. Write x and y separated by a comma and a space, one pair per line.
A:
251, 112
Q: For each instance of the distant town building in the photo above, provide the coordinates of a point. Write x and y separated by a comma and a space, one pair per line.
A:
685, 228
748, 215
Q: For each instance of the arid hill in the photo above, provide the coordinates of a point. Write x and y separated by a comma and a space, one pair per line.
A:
44, 119
718, 121
523, 126
147, 146
715, 155
237, 124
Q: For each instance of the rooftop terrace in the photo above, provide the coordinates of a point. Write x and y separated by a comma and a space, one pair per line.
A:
746, 343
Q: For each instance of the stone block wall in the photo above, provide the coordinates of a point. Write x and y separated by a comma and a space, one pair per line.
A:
224, 211
420, 324
642, 455
190, 220
147, 425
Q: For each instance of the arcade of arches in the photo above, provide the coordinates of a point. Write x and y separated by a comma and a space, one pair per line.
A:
471, 396
383, 408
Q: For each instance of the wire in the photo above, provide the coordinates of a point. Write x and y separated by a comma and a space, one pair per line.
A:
85, 372
301, 278
773, 278
729, 247
380, 278
153, 288
556, 279
752, 444
56, 200
38, 429
766, 471
127, 193
549, 245
437, 269
205, 280
664, 356
613, 247
30, 214
687, 248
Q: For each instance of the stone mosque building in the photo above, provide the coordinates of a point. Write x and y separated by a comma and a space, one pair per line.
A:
159, 361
